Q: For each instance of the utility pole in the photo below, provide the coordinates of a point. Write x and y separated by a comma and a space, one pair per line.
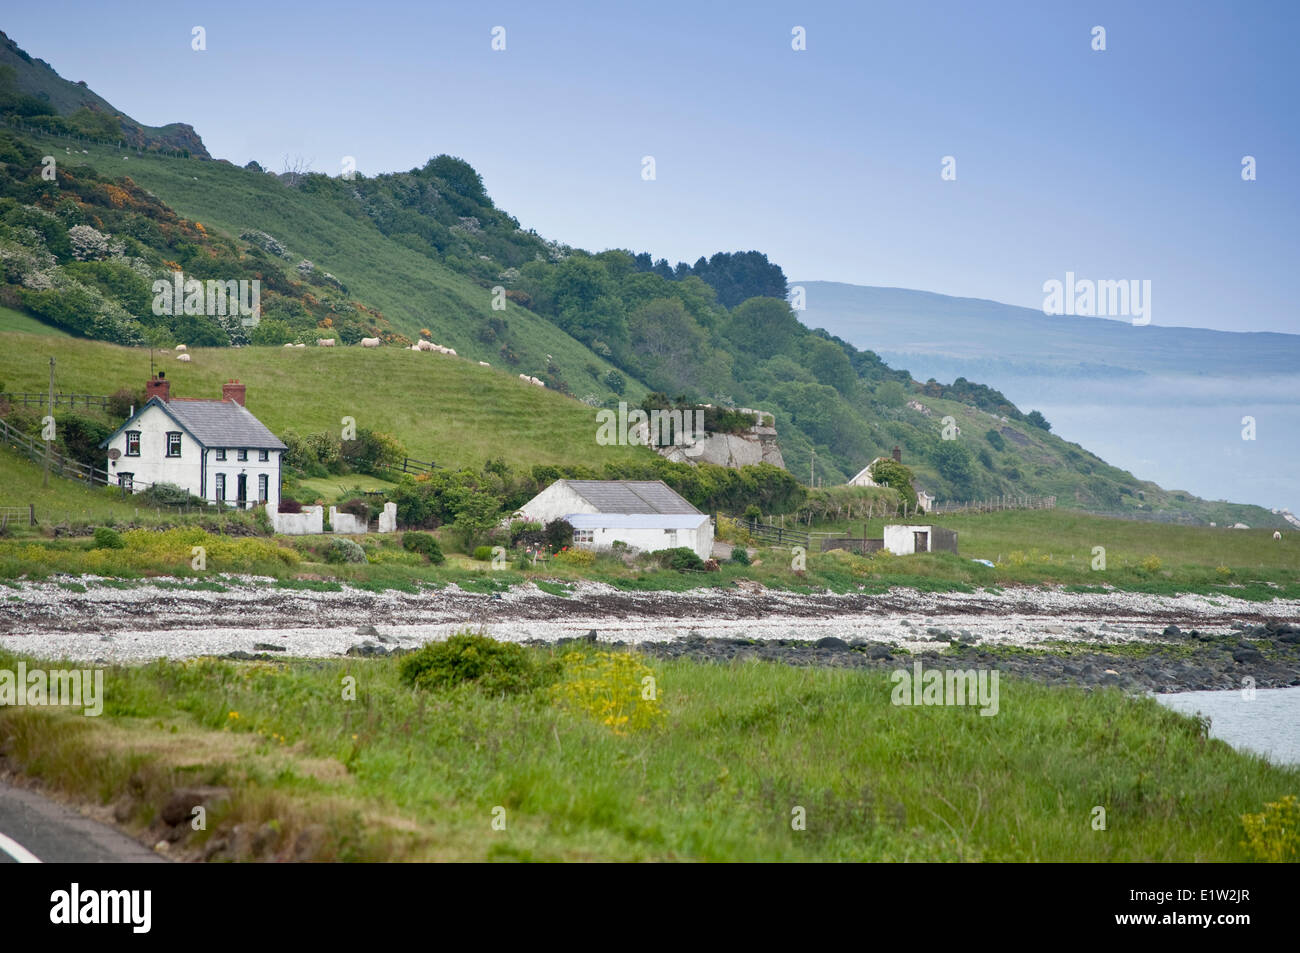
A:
45, 479
812, 469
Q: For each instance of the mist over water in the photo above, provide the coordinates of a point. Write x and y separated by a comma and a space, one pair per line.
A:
1182, 432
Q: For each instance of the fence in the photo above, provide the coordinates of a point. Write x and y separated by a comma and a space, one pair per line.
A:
777, 535
417, 467
119, 144
14, 514
60, 400
995, 504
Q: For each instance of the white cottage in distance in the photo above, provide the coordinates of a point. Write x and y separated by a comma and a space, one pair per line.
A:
646, 514
215, 449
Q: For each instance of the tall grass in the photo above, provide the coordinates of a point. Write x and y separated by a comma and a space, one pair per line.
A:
742, 751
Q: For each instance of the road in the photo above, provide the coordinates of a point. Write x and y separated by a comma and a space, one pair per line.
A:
35, 829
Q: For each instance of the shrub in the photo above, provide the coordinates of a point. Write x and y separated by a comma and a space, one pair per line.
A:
168, 494
357, 506
1224, 572
1273, 835
498, 668
122, 400
482, 553
1151, 564
617, 689
753, 513
106, 538
576, 557
290, 506
344, 551
559, 534
426, 544
740, 556
681, 558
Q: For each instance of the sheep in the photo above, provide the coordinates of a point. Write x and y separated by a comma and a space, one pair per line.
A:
370, 342
424, 346
300, 345
484, 364
182, 357
531, 380
289, 345
1277, 534
181, 347
324, 342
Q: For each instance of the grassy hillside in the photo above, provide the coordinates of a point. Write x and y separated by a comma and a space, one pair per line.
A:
444, 409
11, 320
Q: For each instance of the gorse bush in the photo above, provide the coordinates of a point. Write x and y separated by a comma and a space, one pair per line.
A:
497, 668
106, 538
482, 553
576, 557
1273, 835
740, 556
617, 689
426, 544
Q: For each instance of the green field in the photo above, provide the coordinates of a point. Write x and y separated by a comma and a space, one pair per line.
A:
11, 320
739, 754
444, 409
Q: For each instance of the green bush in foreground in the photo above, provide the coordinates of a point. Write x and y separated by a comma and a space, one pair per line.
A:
426, 544
106, 538
740, 556
483, 553
498, 668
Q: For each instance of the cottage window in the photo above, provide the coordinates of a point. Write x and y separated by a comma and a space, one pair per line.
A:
241, 455
583, 536
221, 488
133, 443
264, 455
173, 444
262, 486
221, 454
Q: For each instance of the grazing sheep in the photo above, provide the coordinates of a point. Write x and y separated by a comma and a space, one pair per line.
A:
288, 345
370, 342
1277, 534
531, 380
324, 342
424, 346
300, 345
484, 364
182, 357
181, 347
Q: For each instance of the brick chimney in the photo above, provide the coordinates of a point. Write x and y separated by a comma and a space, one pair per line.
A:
233, 390
159, 387
898, 455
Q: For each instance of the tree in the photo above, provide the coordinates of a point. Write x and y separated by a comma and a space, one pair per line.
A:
476, 515
897, 477
764, 327
953, 461
1036, 419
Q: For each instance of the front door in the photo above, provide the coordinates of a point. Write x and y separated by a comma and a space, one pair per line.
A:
241, 489
921, 542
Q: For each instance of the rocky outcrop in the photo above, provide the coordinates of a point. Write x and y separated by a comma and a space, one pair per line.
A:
756, 445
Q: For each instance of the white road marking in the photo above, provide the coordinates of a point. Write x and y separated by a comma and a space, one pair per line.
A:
17, 851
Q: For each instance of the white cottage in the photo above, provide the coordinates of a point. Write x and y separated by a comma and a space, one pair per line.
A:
215, 449
646, 514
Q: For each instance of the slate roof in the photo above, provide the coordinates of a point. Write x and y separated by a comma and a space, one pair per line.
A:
631, 496
637, 520
214, 423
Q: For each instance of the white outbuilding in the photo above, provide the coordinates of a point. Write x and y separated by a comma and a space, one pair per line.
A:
647, 515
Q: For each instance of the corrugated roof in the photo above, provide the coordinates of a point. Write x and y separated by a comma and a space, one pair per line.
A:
637, 520
631, 496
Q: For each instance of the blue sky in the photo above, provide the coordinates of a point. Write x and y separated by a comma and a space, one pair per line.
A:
1123, 164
